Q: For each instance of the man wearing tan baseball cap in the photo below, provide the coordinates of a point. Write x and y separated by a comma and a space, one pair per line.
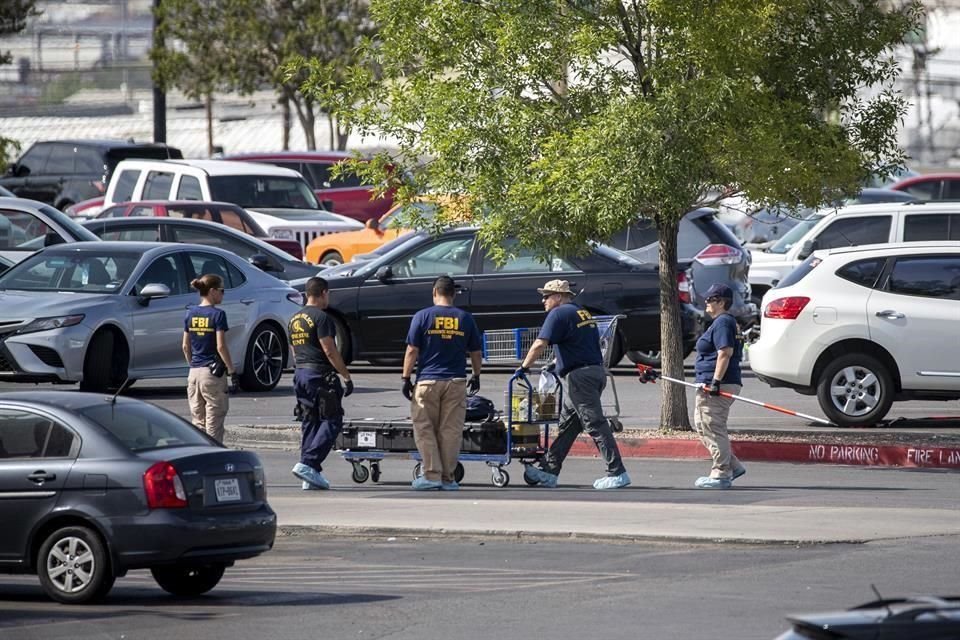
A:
572, 330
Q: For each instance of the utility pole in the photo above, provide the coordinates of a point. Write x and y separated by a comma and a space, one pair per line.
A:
159, 96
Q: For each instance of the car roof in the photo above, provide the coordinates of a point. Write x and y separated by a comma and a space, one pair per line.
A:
926, 177
178, 203
104, 143
292, 155
933, 246
219, 167
70, 400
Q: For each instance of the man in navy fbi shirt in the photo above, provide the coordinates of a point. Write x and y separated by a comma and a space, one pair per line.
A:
438, 342
572, 330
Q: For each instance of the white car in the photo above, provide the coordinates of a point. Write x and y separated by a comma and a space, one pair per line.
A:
861, 327
854, 225
279, 199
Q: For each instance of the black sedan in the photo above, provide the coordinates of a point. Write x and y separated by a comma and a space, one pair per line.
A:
374, 301
93, 486
276, 262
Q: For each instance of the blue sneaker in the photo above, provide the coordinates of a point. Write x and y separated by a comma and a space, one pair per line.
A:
612, 482
712, 483
449, 486
738, 473
306, 486
310, 476
422, 484
540, 477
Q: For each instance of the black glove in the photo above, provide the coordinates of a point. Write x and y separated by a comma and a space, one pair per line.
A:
715, 387
234, 385
521, 371
347, 388
408, 389
473, 385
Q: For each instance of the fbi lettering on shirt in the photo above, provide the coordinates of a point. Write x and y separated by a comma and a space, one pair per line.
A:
300, 326
200, 326
585, 318
445, 327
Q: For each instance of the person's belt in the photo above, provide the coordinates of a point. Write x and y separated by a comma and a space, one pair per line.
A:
313, 366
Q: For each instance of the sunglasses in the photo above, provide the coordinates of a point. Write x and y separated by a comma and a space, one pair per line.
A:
548, 296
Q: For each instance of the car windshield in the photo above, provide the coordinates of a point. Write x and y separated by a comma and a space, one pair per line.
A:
794, 235
264, 192
140, 426
79, 233
75, 272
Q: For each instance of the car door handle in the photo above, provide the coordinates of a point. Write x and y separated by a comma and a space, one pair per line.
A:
890, 313
40, 477
248, 301
460, 289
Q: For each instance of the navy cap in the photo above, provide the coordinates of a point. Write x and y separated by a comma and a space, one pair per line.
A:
719, 290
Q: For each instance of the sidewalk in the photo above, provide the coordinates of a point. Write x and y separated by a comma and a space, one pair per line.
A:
885, 447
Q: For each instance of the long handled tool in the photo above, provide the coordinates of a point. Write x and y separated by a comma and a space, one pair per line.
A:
647, 374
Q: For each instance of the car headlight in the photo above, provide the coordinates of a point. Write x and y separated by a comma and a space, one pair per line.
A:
282, 234
45, 324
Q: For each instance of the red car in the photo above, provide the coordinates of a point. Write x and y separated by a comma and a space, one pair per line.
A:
345, 195
223, 213
931, 186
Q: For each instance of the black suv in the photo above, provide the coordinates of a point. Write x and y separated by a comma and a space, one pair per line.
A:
63, 172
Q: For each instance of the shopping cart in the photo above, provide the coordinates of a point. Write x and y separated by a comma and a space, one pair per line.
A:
510, 346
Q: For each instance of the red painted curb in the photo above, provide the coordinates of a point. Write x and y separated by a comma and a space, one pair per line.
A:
863, 455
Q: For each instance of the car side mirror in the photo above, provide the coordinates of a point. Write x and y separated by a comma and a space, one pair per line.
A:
327, 204
808, 247
263, 263
370, 223
19, 170
152, 291
50, 239
384, 273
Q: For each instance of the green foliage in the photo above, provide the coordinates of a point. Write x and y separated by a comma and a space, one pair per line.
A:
564, 120
13, 19
242, 45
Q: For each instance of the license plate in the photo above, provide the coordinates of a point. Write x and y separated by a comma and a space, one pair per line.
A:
228, 490
367, 439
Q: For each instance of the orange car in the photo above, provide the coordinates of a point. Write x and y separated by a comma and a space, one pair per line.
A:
336, 248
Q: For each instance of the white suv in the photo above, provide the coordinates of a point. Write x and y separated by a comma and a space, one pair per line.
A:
280, 200
864, 326
853, 225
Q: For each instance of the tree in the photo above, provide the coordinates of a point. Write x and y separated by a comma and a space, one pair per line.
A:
242, 45
13, 19
566, 119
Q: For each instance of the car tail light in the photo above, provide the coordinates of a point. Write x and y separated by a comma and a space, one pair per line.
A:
683, 286
163, 487
786, 308
717, 254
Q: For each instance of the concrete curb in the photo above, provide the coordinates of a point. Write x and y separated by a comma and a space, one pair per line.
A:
874, 449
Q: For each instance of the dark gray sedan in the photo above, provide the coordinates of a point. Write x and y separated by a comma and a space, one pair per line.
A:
92, 486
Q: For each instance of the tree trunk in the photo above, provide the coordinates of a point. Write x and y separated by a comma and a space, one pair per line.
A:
673, 399
285, 106
332, 130
343, 134
208, 106
309, 121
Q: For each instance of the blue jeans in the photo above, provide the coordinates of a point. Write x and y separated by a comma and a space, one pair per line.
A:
582, 411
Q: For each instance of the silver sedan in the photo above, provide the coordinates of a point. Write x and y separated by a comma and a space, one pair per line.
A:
102, 313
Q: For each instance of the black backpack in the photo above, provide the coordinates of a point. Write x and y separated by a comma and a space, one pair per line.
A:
480, 409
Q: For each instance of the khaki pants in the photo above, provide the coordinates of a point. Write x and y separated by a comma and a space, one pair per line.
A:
710, 419
208, 401
438, 411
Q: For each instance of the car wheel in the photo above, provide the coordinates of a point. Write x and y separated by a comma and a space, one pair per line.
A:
263, 363
855, 390
98, 366
73, 566
646, 358
331, 259
188, 581
342, 340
